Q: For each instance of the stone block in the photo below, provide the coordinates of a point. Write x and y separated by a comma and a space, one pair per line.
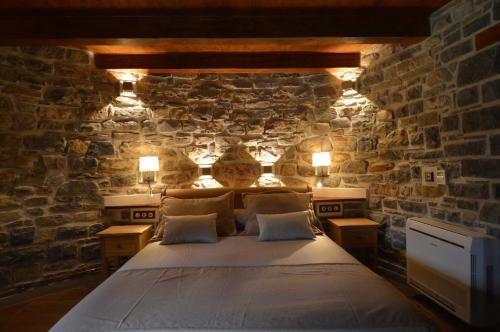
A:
481, 168
22, 235
398, 221
9, 216
9, 203
78, 165
121, 125
484, 119
25, 272
49, 141
398, 239
417, 139
496, 190
451, 123
71, 232
413, 207
366, 144
380, 166
340, 123
77, 56
53, 220
129, 113
480, 66
61, 251
468, 96
78, 194
23, 255
467, 205
36, 201
90, 252
315, 144
390, 203
415, 107
490, 212
432, 137
398, 176
100, 148
452, 37
428, 119
491, 90
456, 51
469, 190
414, 92
305, 170
475, 24
495, 145
354, 166
470, 148
23, 121
123, 180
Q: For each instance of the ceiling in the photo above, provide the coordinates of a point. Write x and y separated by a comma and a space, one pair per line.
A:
124, 33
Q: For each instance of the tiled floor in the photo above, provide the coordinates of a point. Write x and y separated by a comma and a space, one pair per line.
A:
39, 309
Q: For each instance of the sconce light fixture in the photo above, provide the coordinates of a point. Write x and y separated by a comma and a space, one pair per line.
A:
205, 170
266, 169
148, 168
127, 89
321, 162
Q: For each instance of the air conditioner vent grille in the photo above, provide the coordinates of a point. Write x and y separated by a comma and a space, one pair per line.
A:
433, 294
473, 277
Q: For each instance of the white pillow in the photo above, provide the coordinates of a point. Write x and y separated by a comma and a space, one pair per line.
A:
272, 203
190, 229
285, 226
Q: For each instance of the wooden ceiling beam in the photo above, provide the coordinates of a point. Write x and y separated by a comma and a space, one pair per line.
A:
228, 61
118, 27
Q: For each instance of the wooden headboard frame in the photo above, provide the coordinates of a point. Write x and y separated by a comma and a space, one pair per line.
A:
238, 192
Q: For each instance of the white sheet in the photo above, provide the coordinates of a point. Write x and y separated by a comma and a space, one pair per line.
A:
240, 284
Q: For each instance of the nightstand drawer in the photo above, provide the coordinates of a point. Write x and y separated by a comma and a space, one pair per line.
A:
359, 238
121, 246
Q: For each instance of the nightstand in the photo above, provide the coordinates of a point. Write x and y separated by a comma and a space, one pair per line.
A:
355, 233
118, 241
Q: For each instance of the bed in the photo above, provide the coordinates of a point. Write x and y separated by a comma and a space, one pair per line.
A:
242, 284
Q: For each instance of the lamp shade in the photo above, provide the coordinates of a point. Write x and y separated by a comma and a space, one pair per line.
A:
321, 159
149, 164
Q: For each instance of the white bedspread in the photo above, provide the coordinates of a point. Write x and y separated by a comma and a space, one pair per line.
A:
241, 284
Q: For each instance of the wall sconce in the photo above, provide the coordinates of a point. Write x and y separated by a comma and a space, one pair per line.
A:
127, 89
205, 171
148, 168
267, 170
321, 162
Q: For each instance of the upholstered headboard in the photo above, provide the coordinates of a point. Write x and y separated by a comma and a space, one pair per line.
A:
238, 201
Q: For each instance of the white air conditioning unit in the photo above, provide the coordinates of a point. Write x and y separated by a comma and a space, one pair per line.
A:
457, 268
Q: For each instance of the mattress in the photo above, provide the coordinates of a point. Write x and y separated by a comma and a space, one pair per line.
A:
241, 284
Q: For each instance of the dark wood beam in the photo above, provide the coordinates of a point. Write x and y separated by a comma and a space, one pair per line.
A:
227, 60
119, 27
488, 37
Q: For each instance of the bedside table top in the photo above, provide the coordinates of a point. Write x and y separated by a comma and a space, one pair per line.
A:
354, 222
124, 230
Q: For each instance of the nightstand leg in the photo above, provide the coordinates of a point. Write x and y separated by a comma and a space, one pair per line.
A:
104, 262
375, 257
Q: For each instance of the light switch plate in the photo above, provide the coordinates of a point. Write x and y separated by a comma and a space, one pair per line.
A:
429, 177
441, 177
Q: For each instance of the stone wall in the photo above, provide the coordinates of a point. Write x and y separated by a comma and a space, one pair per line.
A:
441, 98
67, 138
